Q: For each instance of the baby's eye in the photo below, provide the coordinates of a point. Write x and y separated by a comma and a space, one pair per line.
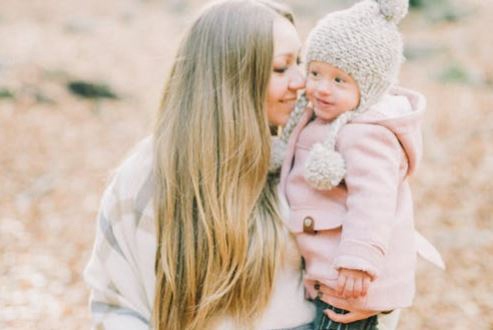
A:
314, 74
338, 80
298, 61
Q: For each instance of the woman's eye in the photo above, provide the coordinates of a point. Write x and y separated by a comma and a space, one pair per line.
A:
280, 70
298, 61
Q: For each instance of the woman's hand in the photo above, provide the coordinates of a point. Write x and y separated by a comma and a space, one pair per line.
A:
332, 297
352, 316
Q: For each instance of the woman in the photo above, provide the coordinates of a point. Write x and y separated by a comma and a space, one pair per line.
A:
189, 233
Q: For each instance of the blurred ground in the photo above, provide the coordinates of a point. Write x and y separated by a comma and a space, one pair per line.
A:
57, 149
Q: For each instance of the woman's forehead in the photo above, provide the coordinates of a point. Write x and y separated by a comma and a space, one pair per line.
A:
286, 38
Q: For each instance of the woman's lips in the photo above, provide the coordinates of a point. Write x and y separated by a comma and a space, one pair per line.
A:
289, 100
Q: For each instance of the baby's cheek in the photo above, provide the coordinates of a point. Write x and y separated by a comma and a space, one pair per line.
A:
309, 89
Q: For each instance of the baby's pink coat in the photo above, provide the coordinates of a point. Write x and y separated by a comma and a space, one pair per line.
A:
367, 222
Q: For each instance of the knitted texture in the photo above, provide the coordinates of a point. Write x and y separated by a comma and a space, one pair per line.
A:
364, 42
280, 143
325, 168
393, 10
277, 153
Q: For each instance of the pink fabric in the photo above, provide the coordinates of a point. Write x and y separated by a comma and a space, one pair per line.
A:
366, 222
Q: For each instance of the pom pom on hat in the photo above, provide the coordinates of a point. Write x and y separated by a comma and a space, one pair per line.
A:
324, 168
393, 10
363, 41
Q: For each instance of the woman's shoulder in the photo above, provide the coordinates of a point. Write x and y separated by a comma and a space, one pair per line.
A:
135, 170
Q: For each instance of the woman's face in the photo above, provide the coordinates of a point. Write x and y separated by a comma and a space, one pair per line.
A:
286, 78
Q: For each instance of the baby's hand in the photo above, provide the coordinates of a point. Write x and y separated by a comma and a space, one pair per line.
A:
353, 283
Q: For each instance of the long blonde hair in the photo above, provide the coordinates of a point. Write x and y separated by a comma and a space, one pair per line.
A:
220, 237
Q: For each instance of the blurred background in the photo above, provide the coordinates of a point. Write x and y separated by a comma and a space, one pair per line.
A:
81, 80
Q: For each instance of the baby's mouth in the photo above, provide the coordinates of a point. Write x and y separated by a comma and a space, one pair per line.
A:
324, 103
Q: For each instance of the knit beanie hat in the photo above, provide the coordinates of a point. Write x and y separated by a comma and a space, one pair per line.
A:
364, 42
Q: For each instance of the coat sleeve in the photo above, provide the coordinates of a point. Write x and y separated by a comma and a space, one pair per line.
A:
118, 299
373, 158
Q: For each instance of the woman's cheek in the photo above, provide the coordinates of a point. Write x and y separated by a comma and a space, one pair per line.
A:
272, 100
284, 112
272, 114
277, 88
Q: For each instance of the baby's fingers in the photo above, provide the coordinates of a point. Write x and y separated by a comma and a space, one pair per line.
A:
341, 284
348, 288
366, 285
358, 288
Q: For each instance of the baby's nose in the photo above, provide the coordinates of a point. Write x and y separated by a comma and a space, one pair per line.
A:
324, 87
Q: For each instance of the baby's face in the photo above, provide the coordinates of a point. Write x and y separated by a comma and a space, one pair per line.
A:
330, 90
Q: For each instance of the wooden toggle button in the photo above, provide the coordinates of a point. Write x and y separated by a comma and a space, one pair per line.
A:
309, 225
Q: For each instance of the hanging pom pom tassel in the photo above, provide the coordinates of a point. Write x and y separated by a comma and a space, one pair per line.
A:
324, 168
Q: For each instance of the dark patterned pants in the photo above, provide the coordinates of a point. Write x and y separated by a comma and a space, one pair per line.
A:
322, 322
308, 326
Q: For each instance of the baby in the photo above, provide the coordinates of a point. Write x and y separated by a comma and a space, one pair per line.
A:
344, 176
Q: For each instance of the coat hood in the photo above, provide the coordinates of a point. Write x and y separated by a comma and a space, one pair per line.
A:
401, 111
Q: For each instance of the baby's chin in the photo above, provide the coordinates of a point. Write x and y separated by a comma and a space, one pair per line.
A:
324, 115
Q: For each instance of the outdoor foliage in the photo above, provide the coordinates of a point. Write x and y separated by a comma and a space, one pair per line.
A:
56, 156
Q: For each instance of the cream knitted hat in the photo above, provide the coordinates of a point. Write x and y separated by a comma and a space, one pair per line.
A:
364, 42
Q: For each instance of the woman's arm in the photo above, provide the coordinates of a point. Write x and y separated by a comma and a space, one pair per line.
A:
332, 297
352, 316
118, 299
